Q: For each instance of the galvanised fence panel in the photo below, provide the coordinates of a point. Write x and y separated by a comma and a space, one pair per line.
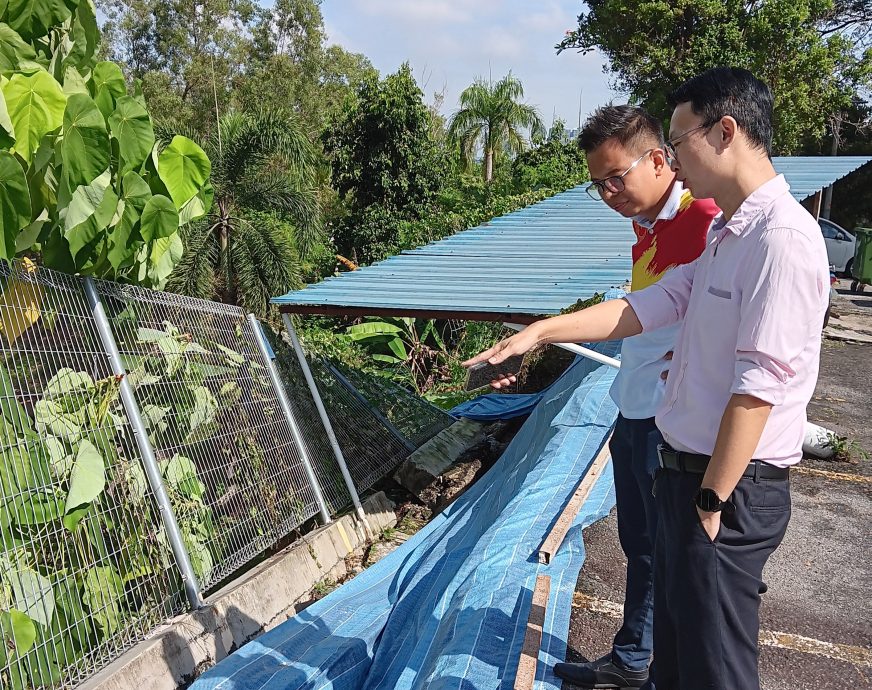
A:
85, 568
370, 450
416, 419
229, 461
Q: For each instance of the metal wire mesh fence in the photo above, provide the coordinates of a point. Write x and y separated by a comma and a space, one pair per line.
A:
89, 565
370, 449
85, 570
233, 471
412, 416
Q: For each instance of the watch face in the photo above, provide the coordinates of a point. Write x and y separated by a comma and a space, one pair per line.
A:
708, 500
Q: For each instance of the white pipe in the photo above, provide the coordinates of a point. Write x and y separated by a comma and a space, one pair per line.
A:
577, 349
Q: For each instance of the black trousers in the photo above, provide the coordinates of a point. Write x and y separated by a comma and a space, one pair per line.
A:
634, 462
707, 593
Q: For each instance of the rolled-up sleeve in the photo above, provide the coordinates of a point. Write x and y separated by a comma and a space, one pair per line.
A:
665, 302
781, 308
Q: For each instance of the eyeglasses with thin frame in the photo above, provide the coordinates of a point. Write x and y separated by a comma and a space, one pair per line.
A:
615, 183
669, 146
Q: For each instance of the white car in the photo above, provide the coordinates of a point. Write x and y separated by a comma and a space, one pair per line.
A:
840, 245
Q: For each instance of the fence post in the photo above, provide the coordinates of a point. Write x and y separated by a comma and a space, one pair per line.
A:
285, 404
325, 420
140, 435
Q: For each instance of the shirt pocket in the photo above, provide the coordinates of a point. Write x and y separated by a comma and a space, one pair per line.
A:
719, 313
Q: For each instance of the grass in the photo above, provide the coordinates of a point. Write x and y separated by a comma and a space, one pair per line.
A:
845, 449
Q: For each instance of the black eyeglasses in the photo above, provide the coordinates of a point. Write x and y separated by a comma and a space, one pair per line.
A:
614, 184
669, 146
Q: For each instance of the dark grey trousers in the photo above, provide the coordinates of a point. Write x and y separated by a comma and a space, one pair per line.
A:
707, 593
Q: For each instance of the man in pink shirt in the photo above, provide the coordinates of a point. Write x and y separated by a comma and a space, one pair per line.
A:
744, 369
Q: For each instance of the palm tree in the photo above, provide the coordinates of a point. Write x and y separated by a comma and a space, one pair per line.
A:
491, 116
265, 213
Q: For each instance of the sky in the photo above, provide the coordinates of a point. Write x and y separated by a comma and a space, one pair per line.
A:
451, 42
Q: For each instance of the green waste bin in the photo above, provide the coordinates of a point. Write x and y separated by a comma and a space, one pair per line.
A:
861, 269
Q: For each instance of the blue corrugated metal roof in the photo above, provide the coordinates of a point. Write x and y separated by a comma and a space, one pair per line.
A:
534, 261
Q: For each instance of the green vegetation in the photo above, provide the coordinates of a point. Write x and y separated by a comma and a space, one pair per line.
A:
83, 185
845, 449
823, 64
81, 559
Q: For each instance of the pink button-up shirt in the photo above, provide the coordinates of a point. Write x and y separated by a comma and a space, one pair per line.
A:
753, 306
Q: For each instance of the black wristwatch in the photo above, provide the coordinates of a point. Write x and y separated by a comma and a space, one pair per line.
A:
709, 501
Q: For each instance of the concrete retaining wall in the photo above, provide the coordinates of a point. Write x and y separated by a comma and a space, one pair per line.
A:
260, 600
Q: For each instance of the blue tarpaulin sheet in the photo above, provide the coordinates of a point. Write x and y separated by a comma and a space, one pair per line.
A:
493, 406
448, 609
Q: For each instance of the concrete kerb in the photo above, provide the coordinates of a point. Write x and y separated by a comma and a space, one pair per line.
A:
258, 601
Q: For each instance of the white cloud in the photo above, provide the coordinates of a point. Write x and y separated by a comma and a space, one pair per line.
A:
550, 19
501, 42
439, 11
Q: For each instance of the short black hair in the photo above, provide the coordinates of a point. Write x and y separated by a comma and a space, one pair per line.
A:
730, 91
627, 124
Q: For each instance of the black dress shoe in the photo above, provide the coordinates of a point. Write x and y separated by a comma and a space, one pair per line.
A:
602, 673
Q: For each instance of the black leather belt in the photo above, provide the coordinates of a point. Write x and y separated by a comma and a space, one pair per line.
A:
672, 459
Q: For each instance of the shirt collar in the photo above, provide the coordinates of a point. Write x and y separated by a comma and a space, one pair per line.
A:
756, 202
670, 208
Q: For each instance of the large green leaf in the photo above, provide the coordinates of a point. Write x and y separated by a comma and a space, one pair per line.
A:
184, 168
135, 190
181, 473
86, 36
88, 215
85, 146
122, 236
7, 130
205, 408
173, 351
52, 418
74, 82
33, 18
22, 470
398, 348
162, 256
18, 631
32, 593
369, 329
107, 85
13, 49
14, 203
197, 206
131, 126
70, 385
87, 482
103, 590
36, 107
125, 239
60, 461
159, 219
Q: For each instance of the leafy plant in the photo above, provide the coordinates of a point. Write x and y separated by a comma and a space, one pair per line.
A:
266, 211
491, 118
413, 348
845, 449
81, 179
82, 544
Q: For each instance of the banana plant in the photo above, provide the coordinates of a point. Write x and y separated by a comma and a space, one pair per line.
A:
411, 347
82, 181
